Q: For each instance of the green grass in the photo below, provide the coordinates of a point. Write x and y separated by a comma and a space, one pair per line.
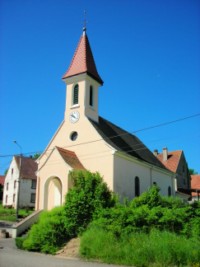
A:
9, 214
139, 249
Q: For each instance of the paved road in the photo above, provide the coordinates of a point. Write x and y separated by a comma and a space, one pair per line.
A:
10, 256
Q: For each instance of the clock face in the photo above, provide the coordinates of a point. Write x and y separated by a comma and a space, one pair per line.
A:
74, 116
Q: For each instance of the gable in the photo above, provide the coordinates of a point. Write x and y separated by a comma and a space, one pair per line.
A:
125, 142
59, 155
173, 160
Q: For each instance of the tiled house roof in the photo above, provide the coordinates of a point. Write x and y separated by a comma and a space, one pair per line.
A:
2, 179
70, 158
125, 142
195, 184
173, 159
83, 61
28, 167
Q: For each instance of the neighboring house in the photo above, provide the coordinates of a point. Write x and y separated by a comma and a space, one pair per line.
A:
85, 140
2, 179
20, 183
195, 187
175, 161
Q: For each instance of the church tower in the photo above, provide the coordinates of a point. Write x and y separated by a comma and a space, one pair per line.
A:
82, 82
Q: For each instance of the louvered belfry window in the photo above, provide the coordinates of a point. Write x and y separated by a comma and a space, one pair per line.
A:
75, 94
91, 96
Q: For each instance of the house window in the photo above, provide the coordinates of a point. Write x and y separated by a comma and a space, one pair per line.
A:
33, 184
6, 199
137, 186
12, 170
32, 197
75, 94
7, 186
15, 184
169, 191
91, 96
13, 198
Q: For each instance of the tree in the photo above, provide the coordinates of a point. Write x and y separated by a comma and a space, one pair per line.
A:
36, 156
192, 172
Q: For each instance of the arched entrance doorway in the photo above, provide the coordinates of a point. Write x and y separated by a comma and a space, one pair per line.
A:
52, 193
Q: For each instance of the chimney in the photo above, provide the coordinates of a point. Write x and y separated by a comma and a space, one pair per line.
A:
155, 152
165, 154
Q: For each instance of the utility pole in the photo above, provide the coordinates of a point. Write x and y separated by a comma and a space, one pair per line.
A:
18, 191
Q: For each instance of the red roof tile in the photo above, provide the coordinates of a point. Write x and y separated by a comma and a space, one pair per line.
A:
172, 160
195, 183
70, 158
83, 61
2, 179
28, 167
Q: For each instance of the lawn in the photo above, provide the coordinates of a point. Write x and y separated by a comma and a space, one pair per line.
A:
9, 214
156, 249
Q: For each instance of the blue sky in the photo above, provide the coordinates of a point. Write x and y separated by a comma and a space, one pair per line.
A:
147, 53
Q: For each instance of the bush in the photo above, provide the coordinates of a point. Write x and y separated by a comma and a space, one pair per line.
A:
87, 197
49, 234
19, 242
152, 211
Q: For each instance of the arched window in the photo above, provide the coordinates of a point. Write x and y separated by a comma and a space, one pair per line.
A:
91, 96
91, 101
75, 94
137, 186
169, 191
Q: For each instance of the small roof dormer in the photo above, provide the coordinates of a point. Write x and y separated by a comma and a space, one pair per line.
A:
83, 60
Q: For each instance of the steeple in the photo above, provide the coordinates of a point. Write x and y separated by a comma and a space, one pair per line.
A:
83, 60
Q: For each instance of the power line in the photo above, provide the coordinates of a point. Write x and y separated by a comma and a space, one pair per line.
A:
114, 136
167, 123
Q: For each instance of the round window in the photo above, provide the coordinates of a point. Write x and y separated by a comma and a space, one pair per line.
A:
73, 136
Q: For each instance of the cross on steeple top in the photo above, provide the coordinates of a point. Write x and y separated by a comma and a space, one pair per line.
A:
84, 22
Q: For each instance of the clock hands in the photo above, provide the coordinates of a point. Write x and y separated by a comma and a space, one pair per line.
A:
72, 115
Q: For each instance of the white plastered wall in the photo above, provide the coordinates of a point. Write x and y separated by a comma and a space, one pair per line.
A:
127, 168
9, 190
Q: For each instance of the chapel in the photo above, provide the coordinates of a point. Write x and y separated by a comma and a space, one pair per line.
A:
85, 140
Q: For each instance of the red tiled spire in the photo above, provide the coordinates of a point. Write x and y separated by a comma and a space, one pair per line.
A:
83, 60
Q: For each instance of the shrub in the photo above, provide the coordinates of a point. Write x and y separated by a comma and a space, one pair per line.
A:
49, 234
19, 242
87, 197
141, 216
151, 198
